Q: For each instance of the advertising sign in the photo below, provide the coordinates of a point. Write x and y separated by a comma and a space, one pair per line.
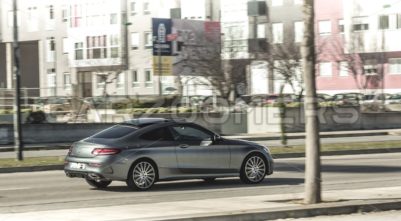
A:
161, 29
166, 67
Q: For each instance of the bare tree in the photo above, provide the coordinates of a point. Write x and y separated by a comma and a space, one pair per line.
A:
206, 61
367, 69
312, 147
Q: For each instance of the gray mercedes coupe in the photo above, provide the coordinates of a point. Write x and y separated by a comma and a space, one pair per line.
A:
146, 150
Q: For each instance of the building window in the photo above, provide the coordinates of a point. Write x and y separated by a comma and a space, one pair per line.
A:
51, 12
65, 45
148, 78
341, 26
398, 20
133, 8
278, 33
96, 47
120, 80
76, 16
299, 31
148, 40
10, 19
51, 81
114, 46
343, 69
135, 79
325, 69
113, 19
394, 65
360, 23
298, 2
33, 19
101, 80
146, 8
370, 67
325, 27
277, 2
261, 31
79, 50
64, 14
134, 41
51, 48
67, 81
384, 22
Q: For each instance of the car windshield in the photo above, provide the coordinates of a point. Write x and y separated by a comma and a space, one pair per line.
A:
115, 132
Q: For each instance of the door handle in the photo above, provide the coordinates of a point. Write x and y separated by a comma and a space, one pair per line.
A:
184, 146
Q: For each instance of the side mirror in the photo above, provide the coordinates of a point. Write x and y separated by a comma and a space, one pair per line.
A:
216, 138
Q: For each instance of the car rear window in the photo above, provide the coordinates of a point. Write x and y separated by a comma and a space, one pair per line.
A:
115, 132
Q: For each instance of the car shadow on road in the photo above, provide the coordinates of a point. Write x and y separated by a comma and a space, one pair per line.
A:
215, 185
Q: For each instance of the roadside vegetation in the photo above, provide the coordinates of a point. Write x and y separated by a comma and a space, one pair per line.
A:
43, 161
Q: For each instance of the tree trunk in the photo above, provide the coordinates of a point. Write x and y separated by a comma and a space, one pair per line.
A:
312, 148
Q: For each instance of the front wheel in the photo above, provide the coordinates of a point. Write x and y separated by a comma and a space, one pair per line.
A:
253, 169
142, 176
97, 184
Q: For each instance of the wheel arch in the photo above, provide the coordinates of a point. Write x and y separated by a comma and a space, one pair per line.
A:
148, 159
255, 152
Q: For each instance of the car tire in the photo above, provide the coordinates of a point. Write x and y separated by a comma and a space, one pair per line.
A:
98, 184
253, 169
142, 175
209, 179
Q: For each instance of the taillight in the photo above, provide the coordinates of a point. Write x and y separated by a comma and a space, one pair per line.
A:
105, 151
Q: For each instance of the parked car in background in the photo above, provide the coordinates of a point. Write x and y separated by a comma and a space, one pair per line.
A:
146, 150
57, 104
394, 99
348, 98
375, 98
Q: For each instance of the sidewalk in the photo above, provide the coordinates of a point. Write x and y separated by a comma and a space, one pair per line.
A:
264, 207
250, 137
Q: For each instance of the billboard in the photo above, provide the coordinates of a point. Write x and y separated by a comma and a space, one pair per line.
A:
161, 28
180, 40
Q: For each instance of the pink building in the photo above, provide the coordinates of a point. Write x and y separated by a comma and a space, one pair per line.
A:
357, 46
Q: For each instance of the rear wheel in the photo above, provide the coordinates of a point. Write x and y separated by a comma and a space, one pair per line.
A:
142, 176
97, 184
253, 169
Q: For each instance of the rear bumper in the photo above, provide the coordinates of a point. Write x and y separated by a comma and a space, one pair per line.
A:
82, 174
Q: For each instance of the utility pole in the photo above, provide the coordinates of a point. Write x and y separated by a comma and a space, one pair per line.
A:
17, 85
312, 147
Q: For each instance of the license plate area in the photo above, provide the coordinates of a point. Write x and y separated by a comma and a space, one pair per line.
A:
80, 166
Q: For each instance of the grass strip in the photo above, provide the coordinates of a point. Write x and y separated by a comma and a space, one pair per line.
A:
42, 161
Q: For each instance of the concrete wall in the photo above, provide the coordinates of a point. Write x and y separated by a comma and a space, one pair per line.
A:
39, 133
262, 120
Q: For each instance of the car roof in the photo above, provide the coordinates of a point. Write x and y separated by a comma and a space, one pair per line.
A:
143, 122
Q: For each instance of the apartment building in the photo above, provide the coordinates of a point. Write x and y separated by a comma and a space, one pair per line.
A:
41, 30
90, 47
252, 29
368, 33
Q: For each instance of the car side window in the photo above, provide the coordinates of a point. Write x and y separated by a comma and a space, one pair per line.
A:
189, 133
159, 134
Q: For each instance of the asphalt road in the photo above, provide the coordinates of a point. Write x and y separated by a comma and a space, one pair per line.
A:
50, 190
266, 142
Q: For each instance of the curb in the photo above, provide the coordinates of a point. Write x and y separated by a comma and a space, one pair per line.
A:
341, 208
31, 168
340, 152
261, 138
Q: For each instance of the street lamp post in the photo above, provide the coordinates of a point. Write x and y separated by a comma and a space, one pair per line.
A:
159, 66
